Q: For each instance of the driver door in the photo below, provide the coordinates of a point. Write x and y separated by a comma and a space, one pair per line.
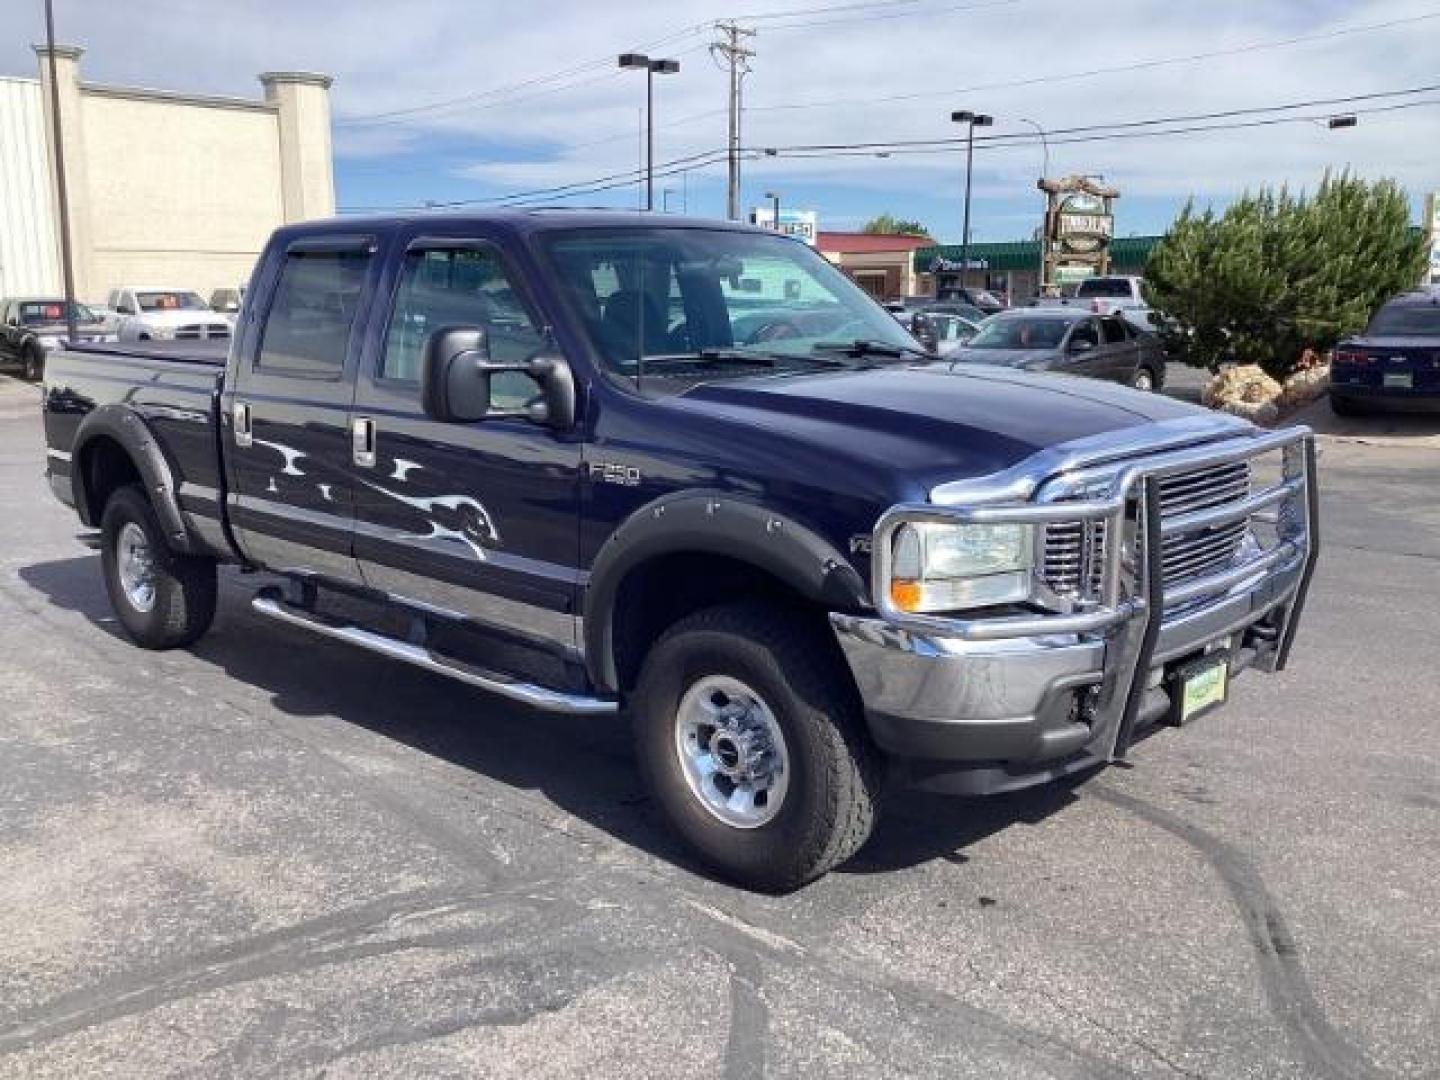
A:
479, 519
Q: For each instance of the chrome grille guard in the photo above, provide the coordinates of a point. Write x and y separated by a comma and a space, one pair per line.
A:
1131, 619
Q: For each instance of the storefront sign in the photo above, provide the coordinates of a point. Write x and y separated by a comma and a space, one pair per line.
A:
801, 224
941, 265
1432, 222
1079, 225
1083, 224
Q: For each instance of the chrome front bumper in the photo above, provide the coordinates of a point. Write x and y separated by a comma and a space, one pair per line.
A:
1004, 703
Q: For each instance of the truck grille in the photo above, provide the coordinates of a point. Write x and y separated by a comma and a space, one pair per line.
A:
202, 331
1073, 562
1205, 551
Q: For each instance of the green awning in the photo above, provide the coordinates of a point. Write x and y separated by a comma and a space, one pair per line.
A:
1024, 254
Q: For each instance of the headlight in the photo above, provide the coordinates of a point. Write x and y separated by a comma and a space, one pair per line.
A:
162, 333
51, 341
936, 567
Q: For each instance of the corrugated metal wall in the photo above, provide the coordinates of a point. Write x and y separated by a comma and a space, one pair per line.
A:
29, 237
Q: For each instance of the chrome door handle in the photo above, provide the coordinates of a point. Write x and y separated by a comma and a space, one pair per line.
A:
244, 436
362, 441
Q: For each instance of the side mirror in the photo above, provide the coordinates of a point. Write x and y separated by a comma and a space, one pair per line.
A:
456, 374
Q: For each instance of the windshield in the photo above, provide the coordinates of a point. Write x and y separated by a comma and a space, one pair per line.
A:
1021, 332
36, 312
677, 297
171, 301
1406, 320
1117, 287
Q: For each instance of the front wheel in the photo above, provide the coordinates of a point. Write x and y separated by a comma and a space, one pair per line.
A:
1143, 379
752, 741
163, 599
34, 366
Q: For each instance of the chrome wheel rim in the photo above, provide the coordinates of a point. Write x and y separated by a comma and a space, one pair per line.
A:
136, 567
1143, 381
732, 752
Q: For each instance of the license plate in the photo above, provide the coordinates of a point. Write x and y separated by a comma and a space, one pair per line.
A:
1204, 686
1399, 380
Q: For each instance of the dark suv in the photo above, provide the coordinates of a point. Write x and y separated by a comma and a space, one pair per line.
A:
1395, 363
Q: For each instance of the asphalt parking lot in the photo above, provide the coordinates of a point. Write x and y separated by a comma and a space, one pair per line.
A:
272, 855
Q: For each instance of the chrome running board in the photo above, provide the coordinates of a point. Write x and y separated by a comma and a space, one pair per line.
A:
272, 606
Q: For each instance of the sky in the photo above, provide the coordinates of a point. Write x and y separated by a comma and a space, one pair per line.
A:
475, 100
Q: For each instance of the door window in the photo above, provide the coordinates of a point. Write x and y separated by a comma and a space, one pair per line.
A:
466, 286
1114, 332
1084, 331
307, 330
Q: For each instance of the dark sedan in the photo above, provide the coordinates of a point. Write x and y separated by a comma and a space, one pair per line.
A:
1071, 342
32, 327
1395, 362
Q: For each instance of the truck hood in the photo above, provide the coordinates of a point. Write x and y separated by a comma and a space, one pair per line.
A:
912, 426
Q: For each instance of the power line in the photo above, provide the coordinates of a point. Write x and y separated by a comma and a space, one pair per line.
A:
1037, 80
1139, 65
1107, 136
1231, 119
947, 9
1312, 103
489, 96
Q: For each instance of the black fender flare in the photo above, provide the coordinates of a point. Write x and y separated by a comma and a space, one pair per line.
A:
717, 523
125, 426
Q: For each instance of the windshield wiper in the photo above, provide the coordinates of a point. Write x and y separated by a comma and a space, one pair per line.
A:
861, 348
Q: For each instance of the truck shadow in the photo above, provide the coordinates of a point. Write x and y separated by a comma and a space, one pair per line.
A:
580, 765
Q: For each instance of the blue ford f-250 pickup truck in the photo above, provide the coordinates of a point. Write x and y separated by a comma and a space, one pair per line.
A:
606, 462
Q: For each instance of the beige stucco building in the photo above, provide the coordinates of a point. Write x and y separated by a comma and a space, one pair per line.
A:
166, 189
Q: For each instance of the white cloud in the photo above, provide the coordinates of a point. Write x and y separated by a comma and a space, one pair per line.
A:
389, 57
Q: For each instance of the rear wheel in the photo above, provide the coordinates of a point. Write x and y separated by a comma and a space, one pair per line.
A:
752, 742
34, 363
163, 599
1144, 379
1344, 406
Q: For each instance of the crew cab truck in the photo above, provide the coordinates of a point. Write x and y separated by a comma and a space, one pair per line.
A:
621, 464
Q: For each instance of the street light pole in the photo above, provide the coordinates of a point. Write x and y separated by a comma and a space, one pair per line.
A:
1045, 216
61, 195
651, 69
775, 209
974, 120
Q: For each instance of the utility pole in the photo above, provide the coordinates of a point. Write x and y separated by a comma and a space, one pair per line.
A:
732, 51
60, 193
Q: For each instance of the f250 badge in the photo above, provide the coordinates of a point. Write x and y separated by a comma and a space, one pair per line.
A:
609, 472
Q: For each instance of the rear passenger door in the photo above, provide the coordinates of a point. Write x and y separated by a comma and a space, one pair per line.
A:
478, 519
288, 435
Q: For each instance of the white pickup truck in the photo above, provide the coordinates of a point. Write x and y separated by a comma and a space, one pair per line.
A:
164, 314
1110, 295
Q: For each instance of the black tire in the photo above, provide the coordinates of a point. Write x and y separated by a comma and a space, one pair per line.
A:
836, 772
183, 604
1147, 379
33, 364
1344, 406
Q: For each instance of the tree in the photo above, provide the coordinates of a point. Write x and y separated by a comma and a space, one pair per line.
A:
1277, 273
890, 225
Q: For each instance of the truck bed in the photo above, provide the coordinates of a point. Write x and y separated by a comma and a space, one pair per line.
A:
173, 386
